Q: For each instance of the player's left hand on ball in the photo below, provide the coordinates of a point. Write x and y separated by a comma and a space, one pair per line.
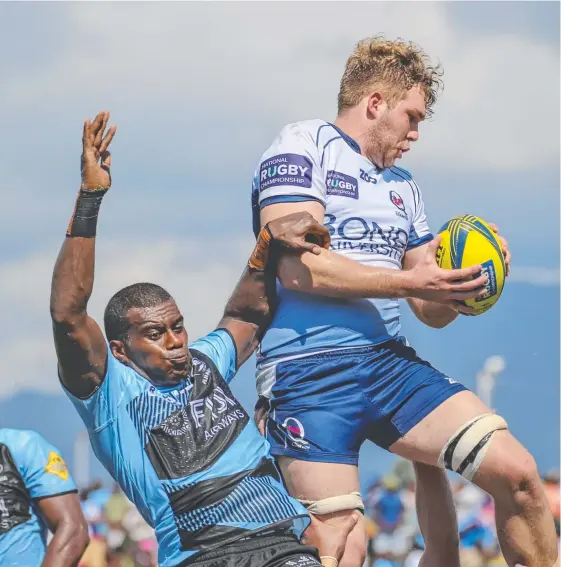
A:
330, 540
300, 231
504, 247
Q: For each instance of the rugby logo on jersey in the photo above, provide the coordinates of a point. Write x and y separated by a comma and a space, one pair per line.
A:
285, 169
341, 185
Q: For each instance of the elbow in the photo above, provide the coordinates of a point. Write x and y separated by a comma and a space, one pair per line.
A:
441, 319
296, 278
65, 315
291, 282
81, 539
437, 323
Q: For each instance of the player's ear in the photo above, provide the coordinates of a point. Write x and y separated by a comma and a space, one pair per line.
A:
118, 350
375, 104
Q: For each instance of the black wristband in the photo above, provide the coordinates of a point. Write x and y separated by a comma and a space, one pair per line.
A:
84, 219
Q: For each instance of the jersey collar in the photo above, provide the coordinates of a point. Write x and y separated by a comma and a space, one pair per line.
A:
353, 144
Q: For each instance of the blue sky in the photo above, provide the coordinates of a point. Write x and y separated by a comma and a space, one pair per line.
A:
198, 91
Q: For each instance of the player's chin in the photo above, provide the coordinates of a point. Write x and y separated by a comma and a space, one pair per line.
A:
391, 159
180, 370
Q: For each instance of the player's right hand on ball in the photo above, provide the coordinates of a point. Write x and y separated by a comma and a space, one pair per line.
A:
449, 287
96, 159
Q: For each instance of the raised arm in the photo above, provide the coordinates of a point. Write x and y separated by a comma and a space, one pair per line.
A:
333, 275
251, 306
80, 345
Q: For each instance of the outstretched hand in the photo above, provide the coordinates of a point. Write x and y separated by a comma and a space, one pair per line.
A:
96, 159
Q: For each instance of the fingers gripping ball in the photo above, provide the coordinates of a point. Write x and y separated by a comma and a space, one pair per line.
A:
466, 241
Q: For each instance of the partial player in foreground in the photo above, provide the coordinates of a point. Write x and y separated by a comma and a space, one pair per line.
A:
160, 415
334, 369
37, 494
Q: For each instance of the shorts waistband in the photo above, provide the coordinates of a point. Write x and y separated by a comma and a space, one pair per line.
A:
343, 351
255, 542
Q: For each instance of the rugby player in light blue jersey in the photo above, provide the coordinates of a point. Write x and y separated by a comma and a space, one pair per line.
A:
160, 414
37, 494
334, 365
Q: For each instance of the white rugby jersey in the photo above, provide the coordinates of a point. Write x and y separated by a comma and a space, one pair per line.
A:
373, 216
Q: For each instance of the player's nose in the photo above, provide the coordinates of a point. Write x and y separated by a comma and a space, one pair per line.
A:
413, 136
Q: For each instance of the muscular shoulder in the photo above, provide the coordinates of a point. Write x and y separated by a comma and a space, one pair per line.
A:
20, 440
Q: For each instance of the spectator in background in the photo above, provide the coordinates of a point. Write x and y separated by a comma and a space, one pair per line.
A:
388, 509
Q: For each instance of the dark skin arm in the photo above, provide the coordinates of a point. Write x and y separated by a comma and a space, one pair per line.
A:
79, 342
250, 309
65, 520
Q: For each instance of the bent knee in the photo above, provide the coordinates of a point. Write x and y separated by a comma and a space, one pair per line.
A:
512, 470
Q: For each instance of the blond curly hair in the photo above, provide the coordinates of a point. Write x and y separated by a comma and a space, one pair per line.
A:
394, 67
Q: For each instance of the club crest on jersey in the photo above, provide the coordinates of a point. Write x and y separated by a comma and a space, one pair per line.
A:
396, 199
56, 466
341, 185
285, 169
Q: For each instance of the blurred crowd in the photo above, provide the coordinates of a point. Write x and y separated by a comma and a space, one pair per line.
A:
395, 540
121, 538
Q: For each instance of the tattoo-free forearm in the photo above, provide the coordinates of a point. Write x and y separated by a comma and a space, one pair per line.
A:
252, 299
74, 270
333, 275
73, 279
67, 546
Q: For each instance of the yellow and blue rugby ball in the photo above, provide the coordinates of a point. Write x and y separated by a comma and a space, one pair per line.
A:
467, 240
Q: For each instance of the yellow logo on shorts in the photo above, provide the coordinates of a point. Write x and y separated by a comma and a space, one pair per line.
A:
57, 466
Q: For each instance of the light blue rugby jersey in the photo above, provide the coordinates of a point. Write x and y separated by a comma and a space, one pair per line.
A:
189, 456
373, 216
30, 469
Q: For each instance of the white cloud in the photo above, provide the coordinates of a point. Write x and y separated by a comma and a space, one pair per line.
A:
200, 275
535, 275
234, 73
